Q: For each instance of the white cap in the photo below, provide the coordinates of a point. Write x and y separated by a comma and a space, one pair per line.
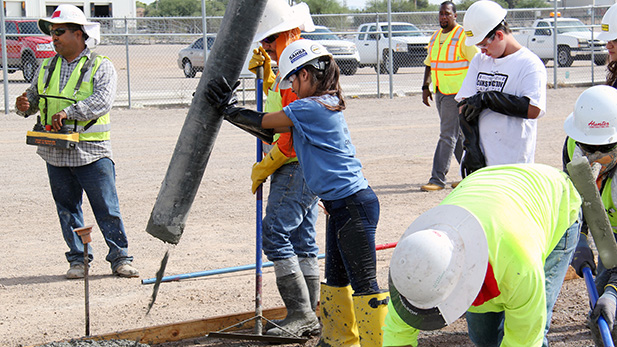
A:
278, 17
594, 120
609, 25
480, 18
438, 267
71, 14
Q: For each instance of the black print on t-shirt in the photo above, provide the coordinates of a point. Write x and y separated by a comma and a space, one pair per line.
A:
491, 82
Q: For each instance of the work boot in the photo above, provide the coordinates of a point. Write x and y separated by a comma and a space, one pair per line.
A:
300, 318
371, 310
312, 284
430, 187
338, 320
126, 270
77, 270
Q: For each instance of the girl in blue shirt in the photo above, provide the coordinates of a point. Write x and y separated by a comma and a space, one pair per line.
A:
327, 157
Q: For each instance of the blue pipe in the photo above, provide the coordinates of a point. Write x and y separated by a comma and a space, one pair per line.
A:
593, 297
212, 272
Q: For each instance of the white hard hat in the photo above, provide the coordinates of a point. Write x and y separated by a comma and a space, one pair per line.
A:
594, 120
298, 54
480, 18
609, 25
438, 267
278, 16
71, 14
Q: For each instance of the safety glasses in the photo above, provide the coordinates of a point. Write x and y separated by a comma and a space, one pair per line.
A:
597, 148
487, 43
270, 39
58, 32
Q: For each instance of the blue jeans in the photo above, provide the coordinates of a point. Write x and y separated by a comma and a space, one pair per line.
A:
486, 329
98, 180
350, 242
450, 138
291, 214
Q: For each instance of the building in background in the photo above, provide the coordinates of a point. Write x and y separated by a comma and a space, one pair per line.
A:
92, 8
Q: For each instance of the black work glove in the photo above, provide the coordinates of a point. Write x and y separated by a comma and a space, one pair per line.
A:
472, 106
473, 158
508, 104
220, 95
606, 306
583, 256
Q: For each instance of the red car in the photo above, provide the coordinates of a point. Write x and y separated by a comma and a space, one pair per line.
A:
26, 53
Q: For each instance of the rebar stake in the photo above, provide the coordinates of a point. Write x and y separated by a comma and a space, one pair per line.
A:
84, 233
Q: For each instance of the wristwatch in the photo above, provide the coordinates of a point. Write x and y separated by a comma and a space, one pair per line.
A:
424, 87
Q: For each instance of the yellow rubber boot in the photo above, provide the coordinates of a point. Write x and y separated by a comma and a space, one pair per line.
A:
338, 322
371, 311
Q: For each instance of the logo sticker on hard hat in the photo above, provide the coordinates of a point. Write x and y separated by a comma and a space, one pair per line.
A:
316, 49
297, 54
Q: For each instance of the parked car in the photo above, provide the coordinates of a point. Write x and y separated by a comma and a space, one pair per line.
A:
573, 41
344, 52
409, 46
191, 58
26, 53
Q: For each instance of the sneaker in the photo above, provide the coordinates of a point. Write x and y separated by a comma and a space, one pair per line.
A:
430, 187
77, 270
455, 184
126, 270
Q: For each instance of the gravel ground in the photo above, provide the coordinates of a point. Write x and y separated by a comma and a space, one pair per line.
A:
395, 140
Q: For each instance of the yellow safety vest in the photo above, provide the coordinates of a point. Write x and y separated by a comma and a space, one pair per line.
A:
78, 87
448, 67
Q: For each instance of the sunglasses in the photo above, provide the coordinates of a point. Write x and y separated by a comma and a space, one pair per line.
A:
270, 39
597, 148
58, 32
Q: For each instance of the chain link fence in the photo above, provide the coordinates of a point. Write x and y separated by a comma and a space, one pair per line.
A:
159, 60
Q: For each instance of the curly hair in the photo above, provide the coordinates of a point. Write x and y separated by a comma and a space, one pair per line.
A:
611, 74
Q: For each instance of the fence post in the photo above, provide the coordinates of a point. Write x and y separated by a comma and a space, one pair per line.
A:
128, 65
377, 37
4, 64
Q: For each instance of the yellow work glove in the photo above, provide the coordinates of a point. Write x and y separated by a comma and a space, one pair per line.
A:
261, 58
266, 167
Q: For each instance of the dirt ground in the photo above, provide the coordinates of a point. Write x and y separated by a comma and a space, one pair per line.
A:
395, 140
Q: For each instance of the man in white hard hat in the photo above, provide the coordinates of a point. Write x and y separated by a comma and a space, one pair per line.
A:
76, 88
609, 33
592, 132
446, 67
503, 94
291, 212
498, 248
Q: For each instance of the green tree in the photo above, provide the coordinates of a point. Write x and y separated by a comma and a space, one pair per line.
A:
184, 8
326, 6
398, 6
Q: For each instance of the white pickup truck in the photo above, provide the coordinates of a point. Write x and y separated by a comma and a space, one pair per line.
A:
573, 41
408, 46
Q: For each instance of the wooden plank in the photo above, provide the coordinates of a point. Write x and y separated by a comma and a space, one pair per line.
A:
189, 329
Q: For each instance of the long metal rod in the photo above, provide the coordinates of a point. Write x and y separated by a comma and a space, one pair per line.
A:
87, 288
593, 298
237, 268
259, 82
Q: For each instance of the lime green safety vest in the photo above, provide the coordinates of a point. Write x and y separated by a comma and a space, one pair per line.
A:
605, 194
448, 67
78, 87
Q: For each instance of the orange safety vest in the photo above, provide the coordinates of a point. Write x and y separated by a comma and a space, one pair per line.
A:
448, 67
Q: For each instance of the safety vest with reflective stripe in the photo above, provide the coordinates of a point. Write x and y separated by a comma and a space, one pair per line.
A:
448, 67
50, 104
605, 194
